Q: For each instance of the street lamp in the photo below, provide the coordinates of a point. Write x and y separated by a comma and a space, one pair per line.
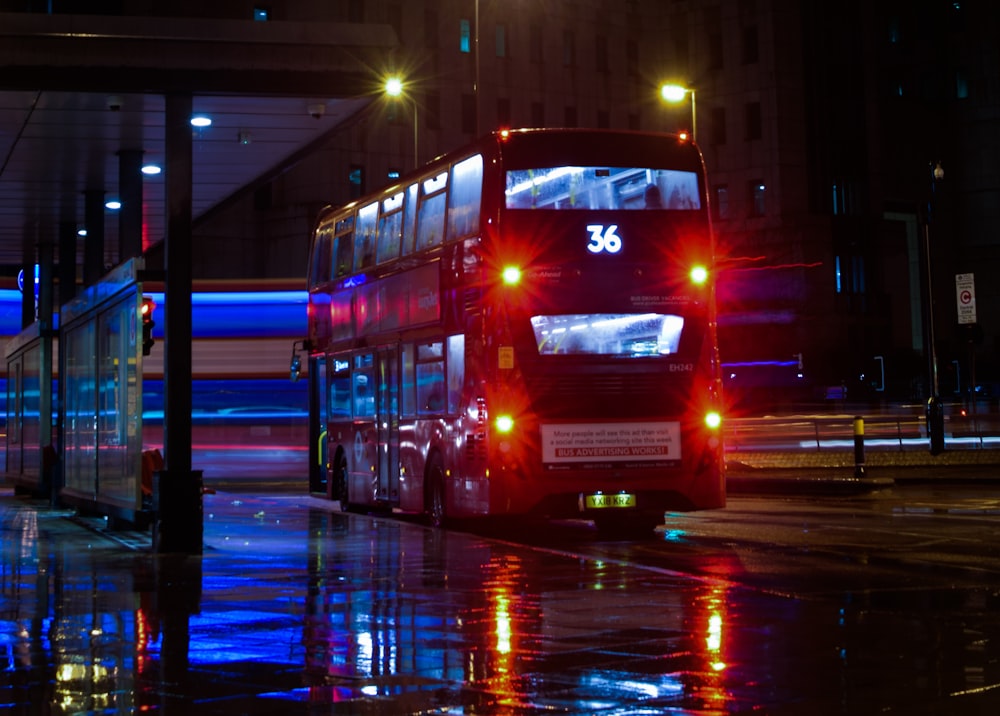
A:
676, 93
935, 410
394, 88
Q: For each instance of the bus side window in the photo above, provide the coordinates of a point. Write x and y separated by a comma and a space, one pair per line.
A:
431, 387
343, 254
321, 257
364, 386
410, 219
388, 236
430, 221
340, 397
456, 371
466, 195
364, 236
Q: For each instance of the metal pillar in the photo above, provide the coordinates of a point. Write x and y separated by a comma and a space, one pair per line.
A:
180, 526
67, 261
130, 194
93, 244
28, 278
46, 281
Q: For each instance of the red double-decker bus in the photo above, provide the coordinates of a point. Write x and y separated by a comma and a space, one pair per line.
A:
524, 327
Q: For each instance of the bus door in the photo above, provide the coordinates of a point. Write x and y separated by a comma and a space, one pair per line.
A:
387, 423
363, 488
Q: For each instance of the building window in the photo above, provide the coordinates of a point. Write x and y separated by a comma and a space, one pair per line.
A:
431, 39
356, 181
849, 274
754, 125
721, 204
713, 31
632, 58
749, 49
464, 36
843, 198
717, 126
503, 111
603, 119
356, 11
601, 53
535, 40
432, 101
961, 84
537, 114
570, 115
569, 48
394, 15
501, 40
757, 197
468, 114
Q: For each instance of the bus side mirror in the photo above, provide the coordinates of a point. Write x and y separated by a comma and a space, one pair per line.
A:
295, 368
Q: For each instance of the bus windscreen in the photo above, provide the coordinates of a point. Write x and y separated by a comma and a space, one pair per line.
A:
596, 188
608, 334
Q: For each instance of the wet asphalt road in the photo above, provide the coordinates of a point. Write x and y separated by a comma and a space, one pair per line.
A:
874, 603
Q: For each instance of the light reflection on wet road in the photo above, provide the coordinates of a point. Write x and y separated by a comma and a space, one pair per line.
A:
765, 607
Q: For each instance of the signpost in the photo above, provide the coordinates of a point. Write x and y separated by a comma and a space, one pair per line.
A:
965, 299
965, 293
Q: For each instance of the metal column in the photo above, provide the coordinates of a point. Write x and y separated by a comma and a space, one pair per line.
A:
130, 194
180, 526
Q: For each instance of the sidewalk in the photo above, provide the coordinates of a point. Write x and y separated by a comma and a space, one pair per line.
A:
771, 471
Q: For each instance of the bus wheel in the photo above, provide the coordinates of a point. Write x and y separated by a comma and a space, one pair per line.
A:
434, 496
338, 486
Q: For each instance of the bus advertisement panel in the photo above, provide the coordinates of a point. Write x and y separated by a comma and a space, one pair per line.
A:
526, 326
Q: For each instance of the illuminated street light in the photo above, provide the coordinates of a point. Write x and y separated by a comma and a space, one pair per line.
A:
676, 93
395, 88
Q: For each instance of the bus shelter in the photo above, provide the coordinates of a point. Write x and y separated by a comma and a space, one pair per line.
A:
101, 394
29, 451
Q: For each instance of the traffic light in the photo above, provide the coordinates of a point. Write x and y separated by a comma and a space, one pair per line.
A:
147, 324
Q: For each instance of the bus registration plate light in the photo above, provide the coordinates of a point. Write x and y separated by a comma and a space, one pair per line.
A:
602, 501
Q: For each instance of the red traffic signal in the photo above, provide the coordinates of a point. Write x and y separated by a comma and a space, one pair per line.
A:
148, 306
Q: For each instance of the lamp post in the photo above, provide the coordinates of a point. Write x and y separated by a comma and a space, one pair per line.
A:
676, 93
475, 82
395, 89
935, 411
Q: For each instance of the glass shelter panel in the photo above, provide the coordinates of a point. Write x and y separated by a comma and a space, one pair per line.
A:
80, 431
118, 421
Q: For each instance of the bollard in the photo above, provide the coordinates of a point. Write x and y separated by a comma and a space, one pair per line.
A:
935, 424
859, 446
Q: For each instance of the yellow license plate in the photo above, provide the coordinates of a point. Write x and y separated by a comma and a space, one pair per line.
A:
600, 502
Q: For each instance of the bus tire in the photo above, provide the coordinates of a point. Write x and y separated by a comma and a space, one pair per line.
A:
434, 497
338, 481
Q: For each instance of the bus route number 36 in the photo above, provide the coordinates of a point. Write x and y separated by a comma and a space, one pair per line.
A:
604, 239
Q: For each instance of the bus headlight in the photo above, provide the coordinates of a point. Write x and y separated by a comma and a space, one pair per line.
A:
504, 423
713, 420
